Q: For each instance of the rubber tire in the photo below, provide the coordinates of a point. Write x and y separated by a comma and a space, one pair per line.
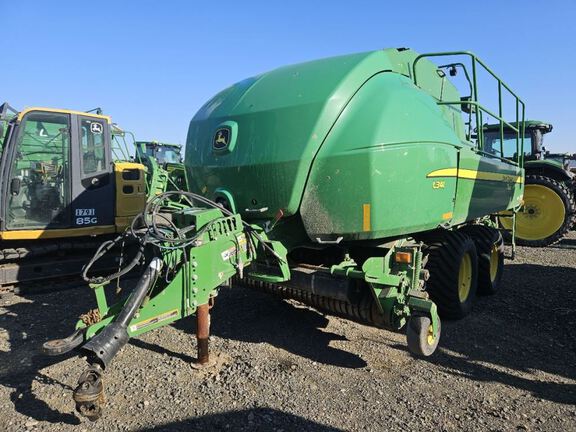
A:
567, 198
417, 336
445, 253
484, 238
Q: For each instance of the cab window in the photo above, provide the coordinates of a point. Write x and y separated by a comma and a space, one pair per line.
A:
492, 144
93, 149
39, 186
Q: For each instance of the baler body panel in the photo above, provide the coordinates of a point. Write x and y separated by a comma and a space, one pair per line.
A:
369, 179
486, 186
349, 146
283, 117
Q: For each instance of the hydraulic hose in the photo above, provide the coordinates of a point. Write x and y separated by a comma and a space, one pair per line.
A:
102, 348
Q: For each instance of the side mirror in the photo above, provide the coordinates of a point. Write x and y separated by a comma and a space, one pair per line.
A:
466, 107
1, 130
15, 184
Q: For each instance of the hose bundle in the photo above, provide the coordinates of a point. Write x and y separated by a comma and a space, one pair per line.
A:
146, 230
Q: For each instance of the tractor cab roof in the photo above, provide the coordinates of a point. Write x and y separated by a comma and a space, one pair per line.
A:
159, 144
529, 124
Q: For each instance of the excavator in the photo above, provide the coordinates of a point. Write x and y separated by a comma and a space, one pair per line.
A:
65, 185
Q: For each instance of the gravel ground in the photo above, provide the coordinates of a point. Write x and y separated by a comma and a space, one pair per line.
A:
510, 366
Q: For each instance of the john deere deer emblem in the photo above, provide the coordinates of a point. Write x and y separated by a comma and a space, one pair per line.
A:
221, 138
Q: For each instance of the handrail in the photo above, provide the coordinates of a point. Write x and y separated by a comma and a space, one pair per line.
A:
486, 110
5, 108
480, 109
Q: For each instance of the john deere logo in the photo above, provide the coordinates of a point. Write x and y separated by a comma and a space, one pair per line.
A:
225, 137
221, 138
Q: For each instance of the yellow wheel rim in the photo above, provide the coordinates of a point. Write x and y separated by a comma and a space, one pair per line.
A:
430, 337
494, 262
465, 277
542, 215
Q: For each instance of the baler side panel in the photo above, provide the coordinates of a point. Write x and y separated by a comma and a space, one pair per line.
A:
369, 179
486, 185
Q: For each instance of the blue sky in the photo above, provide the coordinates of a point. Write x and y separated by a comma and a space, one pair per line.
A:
152, 64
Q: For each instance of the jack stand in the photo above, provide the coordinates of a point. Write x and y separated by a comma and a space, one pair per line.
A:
202, 334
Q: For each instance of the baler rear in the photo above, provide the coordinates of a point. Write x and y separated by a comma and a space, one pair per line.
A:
351, 184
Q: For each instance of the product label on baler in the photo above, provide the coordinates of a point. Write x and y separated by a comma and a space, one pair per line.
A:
154, 320
232, 251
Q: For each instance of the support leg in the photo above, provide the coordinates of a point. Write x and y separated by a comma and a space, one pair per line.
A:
202, 335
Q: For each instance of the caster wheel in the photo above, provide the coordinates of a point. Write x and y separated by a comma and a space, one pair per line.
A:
420, 337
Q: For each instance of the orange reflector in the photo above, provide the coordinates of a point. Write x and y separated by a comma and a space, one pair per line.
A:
447, 215
366, 217
403, 257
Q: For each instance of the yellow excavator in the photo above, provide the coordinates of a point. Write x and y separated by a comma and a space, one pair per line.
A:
62, 183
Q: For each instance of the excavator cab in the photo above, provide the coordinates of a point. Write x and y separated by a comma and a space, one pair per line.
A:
59, 179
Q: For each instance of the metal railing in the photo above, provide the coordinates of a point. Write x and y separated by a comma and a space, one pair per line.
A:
518, 126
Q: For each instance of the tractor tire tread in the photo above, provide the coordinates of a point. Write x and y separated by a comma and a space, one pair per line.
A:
485, 237
445, 250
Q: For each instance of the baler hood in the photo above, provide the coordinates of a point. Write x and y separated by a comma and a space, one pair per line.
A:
275, 124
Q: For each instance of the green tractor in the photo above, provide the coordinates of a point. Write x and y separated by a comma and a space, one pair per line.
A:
164, 166
549, 210
354, 184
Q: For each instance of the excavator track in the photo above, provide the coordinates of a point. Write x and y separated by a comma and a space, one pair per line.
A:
54, 266
24, 250
42, 286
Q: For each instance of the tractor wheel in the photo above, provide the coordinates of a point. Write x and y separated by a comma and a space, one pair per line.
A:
420, 337
548, 213
490, 249
453, 266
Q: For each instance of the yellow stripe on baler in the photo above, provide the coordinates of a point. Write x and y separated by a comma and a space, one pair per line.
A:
470, 174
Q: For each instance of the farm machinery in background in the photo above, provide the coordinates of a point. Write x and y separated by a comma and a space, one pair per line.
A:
65, 184
164, 166
549, 210
68, 182
354, 184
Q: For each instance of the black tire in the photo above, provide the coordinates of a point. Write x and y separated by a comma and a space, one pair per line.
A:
567, 197
417, 336
490, 249
446, 253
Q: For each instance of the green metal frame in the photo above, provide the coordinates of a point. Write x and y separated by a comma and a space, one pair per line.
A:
221, 251
396, 286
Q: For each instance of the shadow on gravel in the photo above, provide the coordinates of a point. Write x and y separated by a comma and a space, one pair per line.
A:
28, 324
527, 328
566, 243
260, 419
162, 350
251, 316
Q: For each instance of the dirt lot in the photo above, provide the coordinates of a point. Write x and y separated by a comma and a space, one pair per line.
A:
510, 366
